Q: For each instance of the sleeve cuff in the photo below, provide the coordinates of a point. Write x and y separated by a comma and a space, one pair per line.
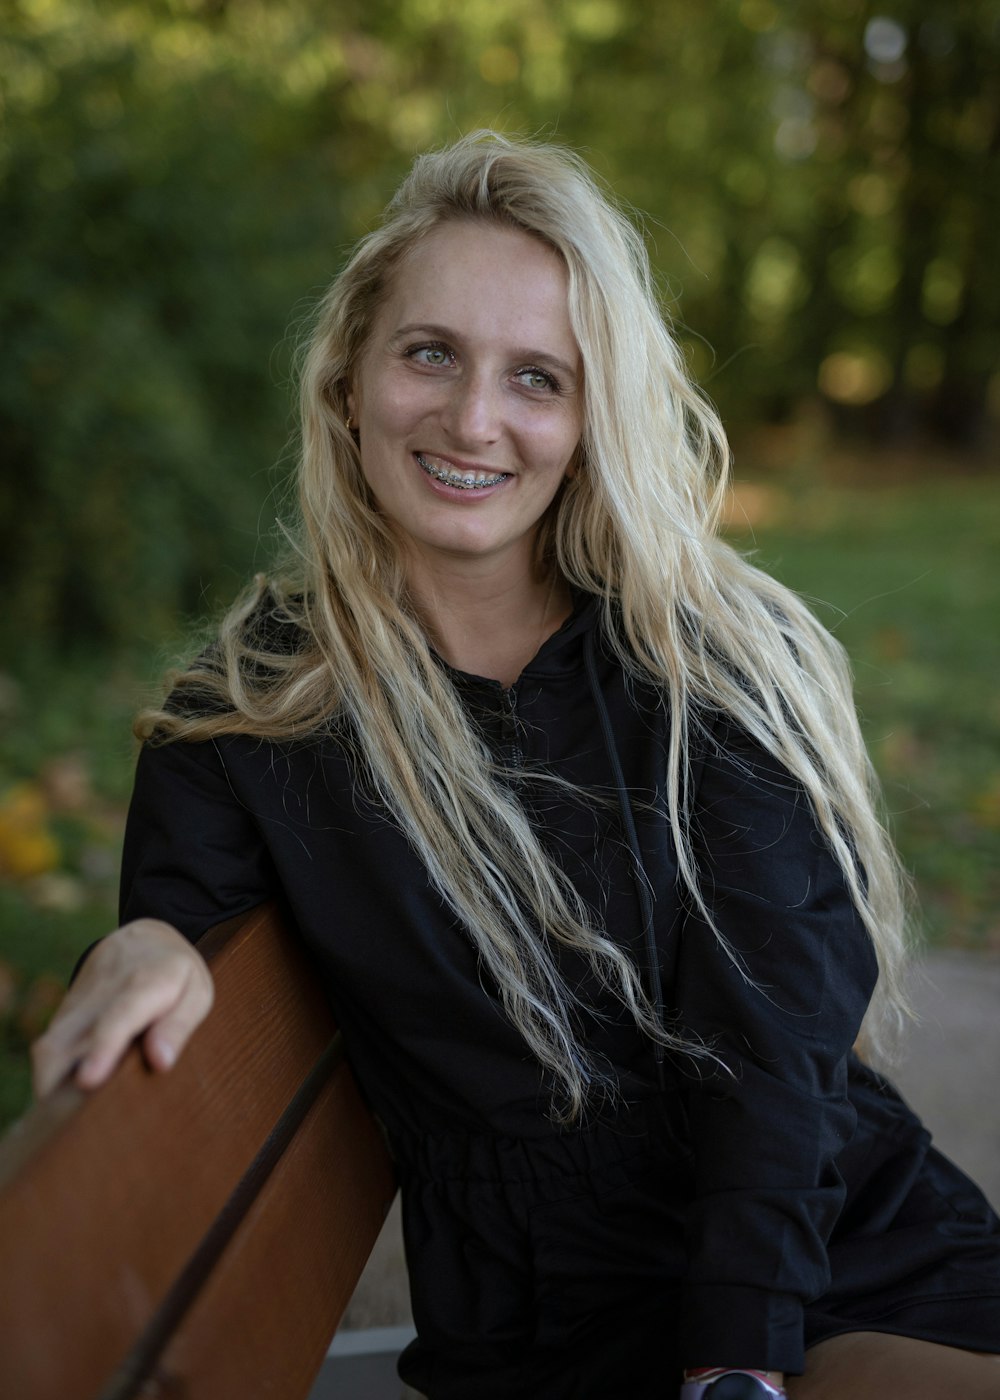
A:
82, 959
729, 1325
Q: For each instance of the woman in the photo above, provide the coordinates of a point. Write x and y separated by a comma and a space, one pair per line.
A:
570, 804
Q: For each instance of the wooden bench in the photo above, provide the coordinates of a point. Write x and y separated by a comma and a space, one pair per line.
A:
195, 1235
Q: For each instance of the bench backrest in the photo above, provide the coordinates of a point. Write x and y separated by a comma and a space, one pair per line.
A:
195, 1234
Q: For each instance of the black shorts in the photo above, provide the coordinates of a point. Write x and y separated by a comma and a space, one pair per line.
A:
550, 1269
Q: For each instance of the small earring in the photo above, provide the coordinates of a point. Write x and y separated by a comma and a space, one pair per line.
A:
349, 423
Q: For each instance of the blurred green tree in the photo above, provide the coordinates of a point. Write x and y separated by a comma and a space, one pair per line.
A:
161, 214
177, 178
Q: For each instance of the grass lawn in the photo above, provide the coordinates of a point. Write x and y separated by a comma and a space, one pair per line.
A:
907, 576
908, 579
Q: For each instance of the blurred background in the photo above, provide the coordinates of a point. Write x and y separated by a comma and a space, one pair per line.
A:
818, 183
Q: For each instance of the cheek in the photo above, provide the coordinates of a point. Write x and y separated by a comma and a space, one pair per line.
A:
567, 454
390, 412
549, 443
567, 448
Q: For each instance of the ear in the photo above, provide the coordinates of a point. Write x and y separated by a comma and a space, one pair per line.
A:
351, 400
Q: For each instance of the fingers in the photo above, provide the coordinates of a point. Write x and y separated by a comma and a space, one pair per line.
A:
143, 980
153, 994
48, 1065
59, 1051
165, 1040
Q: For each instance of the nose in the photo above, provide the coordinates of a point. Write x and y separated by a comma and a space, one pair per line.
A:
473, 410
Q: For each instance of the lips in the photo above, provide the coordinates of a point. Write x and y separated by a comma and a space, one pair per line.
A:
468, 480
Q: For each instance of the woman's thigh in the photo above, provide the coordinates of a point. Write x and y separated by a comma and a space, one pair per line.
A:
878, 1366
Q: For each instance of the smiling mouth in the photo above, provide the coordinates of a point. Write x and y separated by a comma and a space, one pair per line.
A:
464, 481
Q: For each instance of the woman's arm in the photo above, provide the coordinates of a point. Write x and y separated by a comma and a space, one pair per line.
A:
193, 856
783, 1016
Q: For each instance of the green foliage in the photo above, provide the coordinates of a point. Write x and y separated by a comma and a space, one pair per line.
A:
905, 575
178, 178
158, 234
906, 578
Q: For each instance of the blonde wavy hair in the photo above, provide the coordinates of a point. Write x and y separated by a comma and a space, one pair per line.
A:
636, 526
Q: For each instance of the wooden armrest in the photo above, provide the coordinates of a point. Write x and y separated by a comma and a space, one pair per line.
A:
199, 1233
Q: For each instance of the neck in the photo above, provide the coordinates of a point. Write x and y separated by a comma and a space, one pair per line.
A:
486, 621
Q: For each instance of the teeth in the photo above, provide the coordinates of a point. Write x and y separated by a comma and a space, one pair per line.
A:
465, 481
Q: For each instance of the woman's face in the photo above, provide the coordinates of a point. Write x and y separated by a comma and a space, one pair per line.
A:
469, 396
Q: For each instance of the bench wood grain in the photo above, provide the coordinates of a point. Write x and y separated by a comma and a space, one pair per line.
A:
195, 1235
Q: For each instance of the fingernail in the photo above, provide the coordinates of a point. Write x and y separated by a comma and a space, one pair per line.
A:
83, 1072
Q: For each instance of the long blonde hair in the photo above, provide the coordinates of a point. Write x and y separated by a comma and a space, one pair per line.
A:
636, 526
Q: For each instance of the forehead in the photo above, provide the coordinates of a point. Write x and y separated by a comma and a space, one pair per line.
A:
487, 281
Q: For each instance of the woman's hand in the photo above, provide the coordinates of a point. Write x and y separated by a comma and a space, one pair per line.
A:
145, 979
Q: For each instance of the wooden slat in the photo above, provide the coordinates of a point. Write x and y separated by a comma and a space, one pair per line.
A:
265, 1320
104, 1198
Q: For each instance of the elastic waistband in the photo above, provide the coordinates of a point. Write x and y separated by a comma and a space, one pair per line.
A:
642, 1130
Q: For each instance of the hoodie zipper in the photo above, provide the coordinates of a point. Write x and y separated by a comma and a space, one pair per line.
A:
510, 729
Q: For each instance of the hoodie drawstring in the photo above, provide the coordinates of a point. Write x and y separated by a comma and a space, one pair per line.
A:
639, 877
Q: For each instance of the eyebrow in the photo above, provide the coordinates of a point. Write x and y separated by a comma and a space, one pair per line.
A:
519, 352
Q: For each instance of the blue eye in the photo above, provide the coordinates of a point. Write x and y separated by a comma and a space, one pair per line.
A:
437, 356
538, 379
